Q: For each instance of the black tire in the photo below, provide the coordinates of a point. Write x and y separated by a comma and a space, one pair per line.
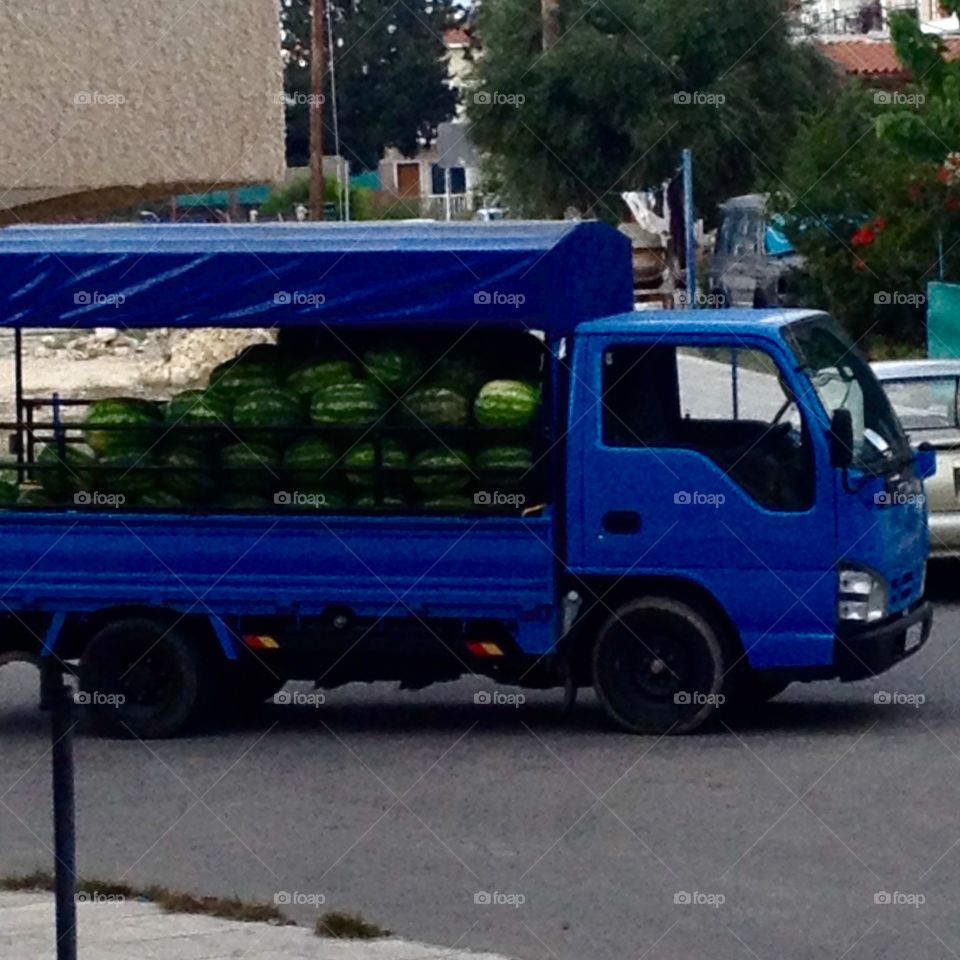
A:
755, 689
250, 683
156, 669
659, 666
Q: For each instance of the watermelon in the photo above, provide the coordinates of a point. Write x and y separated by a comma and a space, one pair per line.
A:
63, 476
454, 467
245, 501
32, 497
187, 475
436, 407
203, 407
457, 372
506, 403
348, 404
307, 462
124, 475
260, 353
390, 502
267, 409
125, 412
394, 368
250, 468
363, 457
450, 503
240, 377
319, 498
160, 500
504, 467
9, 490
306, 381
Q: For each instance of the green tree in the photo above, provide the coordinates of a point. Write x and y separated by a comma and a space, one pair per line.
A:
626, 87
870, 194
391, 77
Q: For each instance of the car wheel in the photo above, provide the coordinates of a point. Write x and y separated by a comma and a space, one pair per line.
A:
142, 678
659, 666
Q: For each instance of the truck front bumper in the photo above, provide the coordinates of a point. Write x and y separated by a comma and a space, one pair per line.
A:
864, 650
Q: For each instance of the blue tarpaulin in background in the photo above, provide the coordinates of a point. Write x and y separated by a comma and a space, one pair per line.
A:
546, 276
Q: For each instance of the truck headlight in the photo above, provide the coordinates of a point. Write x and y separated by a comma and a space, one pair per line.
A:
861, 595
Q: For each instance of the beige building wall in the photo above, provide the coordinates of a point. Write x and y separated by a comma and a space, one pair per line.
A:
104, 104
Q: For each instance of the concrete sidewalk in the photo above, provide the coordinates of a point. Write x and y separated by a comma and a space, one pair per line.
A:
135, 930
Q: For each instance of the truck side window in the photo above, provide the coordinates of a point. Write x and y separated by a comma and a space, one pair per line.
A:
729, 404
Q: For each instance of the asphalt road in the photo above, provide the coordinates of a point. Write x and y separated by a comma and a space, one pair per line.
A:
405, 807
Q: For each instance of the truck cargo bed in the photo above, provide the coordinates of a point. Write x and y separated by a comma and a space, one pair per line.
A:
398, 566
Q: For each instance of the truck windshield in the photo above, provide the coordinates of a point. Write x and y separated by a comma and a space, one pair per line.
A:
842, 378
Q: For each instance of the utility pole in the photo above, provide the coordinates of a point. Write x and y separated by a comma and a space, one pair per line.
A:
318, 52
550, 15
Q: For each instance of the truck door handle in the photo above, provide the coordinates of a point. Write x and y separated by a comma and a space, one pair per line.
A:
621, 521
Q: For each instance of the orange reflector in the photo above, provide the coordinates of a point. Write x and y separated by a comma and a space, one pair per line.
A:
484, 649
256, 642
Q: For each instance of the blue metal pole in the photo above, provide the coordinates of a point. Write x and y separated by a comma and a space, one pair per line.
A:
690, 251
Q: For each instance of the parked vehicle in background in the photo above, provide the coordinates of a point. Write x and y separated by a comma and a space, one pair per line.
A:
753, 260
924, 394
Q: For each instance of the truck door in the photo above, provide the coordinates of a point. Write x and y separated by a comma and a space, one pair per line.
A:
699, 463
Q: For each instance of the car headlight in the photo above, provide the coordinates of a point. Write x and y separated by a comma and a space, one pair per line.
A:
861, 595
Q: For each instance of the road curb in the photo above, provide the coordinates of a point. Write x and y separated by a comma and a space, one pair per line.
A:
110, 930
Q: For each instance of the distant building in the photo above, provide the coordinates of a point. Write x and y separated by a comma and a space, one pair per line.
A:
845, 17
419, 181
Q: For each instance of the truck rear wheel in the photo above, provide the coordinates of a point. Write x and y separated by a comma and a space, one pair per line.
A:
658, 667
141, 678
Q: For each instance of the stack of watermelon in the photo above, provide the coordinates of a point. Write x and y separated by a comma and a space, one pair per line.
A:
377, 426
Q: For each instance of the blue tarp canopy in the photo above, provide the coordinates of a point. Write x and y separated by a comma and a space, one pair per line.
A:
546, 276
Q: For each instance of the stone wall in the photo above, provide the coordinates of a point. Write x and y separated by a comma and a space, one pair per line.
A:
107, 104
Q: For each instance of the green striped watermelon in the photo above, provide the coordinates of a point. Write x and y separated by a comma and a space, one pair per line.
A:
245, 501
507, 404
348, 404
160, 500
391, 501
436, 407
187, 474
267, 408
395, 368
504, 467
439, 470
127, 475
126, 412
63, 476
458, 372
307, 380
32, 497
319, 498
205, 408
307, 462
363, 458
9, 492
450, 503
250, 468
239, 377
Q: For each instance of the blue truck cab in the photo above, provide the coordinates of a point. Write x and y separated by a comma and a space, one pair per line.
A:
728, 503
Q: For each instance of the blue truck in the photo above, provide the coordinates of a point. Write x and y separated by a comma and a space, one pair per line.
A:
728, 502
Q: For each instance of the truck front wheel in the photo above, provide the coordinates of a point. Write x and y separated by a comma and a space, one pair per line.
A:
141, 678
658, 667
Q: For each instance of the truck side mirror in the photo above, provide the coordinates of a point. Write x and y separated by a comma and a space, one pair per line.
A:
926, 462
841, 438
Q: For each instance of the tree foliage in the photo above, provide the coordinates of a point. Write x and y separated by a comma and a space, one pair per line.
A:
628, 85
391, 77
870, 193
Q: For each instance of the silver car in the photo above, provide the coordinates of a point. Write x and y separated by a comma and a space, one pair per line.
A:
925, 395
